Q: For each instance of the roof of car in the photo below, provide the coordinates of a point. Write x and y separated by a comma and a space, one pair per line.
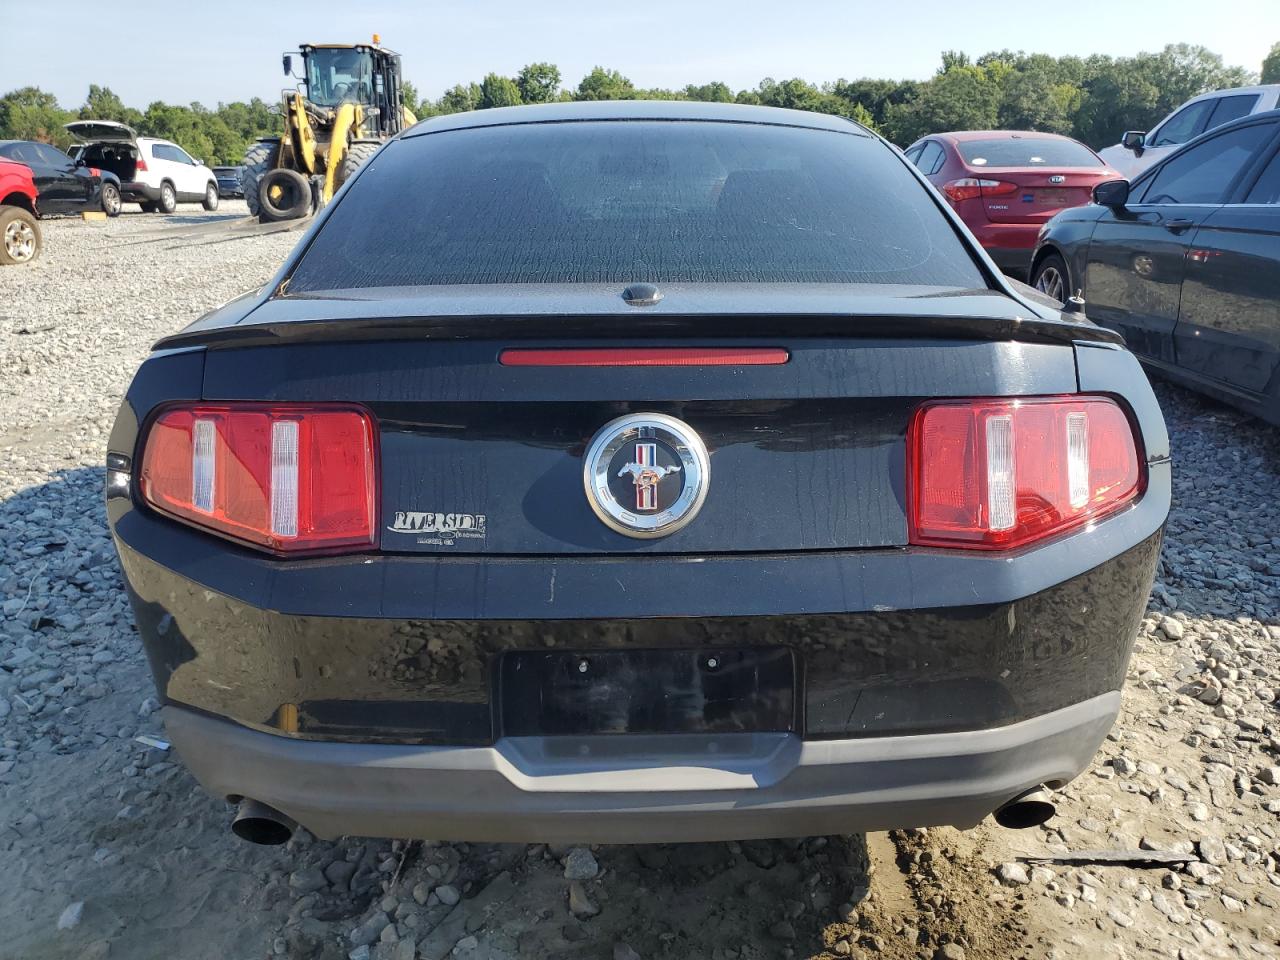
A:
636, 110
963, 135
1256, 88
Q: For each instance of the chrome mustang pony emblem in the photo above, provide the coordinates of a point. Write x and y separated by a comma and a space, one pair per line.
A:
646, 474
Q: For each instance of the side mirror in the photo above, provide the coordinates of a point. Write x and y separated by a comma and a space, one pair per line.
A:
1134, 140
81, 162
1113, 193
288, 65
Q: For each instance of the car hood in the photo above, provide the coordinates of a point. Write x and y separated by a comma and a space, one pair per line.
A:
100, 130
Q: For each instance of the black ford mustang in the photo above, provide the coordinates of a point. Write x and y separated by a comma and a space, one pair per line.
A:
636, 471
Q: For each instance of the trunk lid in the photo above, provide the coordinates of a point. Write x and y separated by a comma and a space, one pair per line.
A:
482, 457
100, 130
1034, 196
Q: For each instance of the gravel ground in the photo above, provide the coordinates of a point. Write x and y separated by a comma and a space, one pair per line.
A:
110, 849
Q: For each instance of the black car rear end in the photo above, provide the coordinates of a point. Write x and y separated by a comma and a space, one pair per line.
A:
447, 636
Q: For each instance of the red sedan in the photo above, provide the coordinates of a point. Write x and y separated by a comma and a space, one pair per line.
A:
1006, 184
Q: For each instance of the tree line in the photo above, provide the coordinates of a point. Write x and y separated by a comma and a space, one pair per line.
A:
1093, 99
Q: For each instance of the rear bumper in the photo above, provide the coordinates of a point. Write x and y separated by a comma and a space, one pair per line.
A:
137, 191
612, 790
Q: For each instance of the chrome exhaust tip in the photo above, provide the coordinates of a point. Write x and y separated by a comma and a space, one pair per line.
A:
1027, 810
261, 824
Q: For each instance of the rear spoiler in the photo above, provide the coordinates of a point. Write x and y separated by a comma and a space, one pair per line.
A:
1032, 329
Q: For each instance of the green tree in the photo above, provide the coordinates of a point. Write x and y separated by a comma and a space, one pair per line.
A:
31, 114
960, 98
1131, 93
875, 96
1271, 65
103, 104
410, 94
538, 82
602, 84
1034, 96
459, 99
496, 91
713, 92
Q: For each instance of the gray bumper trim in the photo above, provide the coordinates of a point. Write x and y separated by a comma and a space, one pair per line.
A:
629, 789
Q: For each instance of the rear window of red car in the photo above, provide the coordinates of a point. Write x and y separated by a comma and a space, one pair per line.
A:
1027, 152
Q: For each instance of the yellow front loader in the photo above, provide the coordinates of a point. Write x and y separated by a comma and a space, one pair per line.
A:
348, 101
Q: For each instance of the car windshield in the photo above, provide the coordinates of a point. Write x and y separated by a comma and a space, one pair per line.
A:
1027, 152
628, 201
338, 75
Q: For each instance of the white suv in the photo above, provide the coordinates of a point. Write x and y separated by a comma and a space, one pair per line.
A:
158, 174
1139, 149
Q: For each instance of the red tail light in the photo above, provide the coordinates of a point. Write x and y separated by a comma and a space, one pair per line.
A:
289, 478
970, 188
998, 474
141, 165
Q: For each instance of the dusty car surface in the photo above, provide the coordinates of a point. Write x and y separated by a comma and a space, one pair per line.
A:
637, 472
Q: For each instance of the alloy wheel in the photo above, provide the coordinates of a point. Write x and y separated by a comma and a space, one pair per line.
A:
1050, 283
20, 241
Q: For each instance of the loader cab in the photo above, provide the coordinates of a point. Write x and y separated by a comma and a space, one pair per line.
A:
363, 74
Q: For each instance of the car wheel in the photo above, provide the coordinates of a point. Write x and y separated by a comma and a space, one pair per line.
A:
20, 238
211, 197
168, 198
1052, 278
111, 204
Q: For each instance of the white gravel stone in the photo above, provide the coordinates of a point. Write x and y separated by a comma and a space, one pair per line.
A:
1013, 874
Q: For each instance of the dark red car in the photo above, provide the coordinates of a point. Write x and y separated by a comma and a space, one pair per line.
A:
1005, 184
19, 232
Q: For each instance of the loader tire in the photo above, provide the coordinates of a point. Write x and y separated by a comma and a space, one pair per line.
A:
258, 159
354, 159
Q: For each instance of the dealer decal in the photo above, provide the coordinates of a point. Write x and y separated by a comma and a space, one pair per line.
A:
443, 529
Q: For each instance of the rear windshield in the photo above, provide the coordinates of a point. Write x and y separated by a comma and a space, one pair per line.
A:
1027, 152
618, 202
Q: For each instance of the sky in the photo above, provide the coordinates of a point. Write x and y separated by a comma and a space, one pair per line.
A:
181, 51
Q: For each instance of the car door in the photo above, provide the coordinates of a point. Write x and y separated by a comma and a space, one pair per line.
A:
69, 183
165, 167
1229, 319
1138, 255
191, 180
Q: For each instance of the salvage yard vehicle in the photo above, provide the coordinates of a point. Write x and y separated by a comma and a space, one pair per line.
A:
635, 472
20, 238
1138, 149
1006, 183
66, 187
1185, 262
156, 174
229, 182
349, 101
